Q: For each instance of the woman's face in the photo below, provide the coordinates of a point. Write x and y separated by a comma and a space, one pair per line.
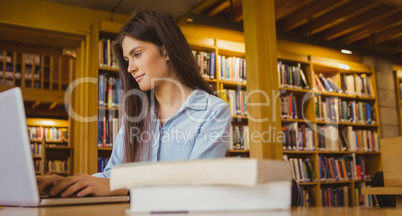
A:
146, 63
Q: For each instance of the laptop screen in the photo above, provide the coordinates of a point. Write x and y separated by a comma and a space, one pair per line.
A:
17, 182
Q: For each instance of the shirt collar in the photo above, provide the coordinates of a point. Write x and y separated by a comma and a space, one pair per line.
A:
198, 100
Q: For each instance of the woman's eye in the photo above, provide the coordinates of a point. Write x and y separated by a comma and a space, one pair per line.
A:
137, 54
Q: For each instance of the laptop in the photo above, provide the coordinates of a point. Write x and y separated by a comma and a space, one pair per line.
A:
18, 182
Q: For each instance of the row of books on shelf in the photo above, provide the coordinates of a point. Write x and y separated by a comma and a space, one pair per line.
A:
108, 128
304, 199
353, 84
53, 166
236, 100
48, 133
330, 138
365, 200
229, 68
288, 106
108, 91
38, 166
33, 59
106, 58
232, 68
36, 149
343, 168
206, 63
291, 76
339, 197
239, 137
102, 162
5, 56
335, 197
297, 138
302, 169
57, 166
338, 110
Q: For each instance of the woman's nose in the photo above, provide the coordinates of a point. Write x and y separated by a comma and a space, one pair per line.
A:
131, 67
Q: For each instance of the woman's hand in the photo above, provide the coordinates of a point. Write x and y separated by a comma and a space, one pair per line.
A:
45, 183
84, 185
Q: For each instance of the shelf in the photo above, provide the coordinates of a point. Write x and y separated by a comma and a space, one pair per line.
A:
109, 69
56, 141
307, 183
347, 124
105, 148
295, 120
239, 151
37, 156
298, 152
60, 148
211, 80
368, 152
334, 152
356, 97
237, 117
35, 140
335, 182
233, 84
294, 90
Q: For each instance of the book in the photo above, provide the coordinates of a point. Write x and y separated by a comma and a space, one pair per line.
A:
304, 80
205, 185
205, 198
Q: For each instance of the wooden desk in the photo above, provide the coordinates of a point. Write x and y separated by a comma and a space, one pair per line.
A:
397, 191
119, 209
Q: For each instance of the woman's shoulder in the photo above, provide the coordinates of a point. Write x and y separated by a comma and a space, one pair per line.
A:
202, 100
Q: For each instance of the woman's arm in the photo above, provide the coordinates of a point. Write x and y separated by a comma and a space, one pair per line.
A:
213, 140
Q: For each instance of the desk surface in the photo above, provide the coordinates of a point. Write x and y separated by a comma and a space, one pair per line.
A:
119, 209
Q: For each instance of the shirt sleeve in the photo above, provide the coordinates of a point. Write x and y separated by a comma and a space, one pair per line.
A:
117, 155
213, 140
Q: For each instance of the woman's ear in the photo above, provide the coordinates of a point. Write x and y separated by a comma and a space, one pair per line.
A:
165, 54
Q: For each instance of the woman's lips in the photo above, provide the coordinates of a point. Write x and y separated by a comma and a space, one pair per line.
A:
138, 77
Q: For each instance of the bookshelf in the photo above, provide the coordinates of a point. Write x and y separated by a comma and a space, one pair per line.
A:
107, 105
37, 70
227, 61
308, 132
43, 73
52, 151
398, 87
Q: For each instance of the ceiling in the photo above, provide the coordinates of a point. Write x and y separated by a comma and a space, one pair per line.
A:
176, 8
364, 24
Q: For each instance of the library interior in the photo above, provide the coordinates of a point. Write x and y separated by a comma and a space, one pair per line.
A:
326, 96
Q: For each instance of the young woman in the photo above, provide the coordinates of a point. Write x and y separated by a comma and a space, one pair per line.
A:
170, 113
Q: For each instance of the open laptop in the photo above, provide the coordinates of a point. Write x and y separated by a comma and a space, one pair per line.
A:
18, 182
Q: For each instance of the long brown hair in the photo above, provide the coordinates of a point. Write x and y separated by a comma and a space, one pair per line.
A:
160, 29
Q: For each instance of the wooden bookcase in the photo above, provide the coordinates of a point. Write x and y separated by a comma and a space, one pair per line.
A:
306, 115
97, 150
36, 70
52, 151
43, 75
398, 88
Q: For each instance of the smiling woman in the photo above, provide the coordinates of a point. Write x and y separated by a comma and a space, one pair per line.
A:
169, 111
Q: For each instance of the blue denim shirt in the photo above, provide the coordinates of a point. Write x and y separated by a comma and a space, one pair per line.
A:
198, 130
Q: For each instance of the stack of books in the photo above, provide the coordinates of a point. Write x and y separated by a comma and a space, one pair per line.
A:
228, 184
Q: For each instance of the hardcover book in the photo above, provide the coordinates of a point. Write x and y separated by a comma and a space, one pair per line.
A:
205, 185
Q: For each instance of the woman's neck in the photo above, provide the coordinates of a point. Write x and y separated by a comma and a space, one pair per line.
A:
170, 96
